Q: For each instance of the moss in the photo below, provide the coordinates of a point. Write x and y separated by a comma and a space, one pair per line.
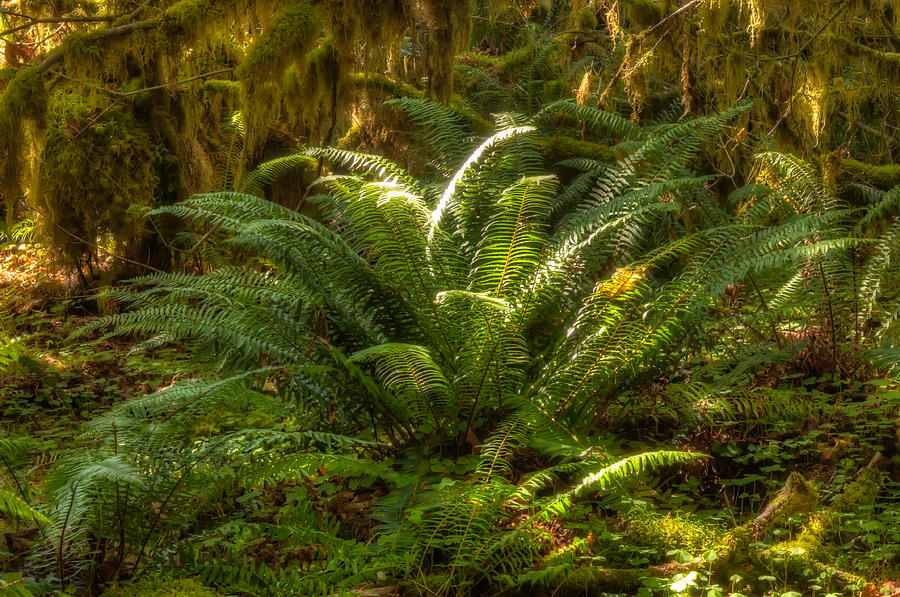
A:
108, 156
591, 580
81, 47
881, 177
514, 61
222, 87
351, 139
450, 24
476, 122
24, 97
155, 587
861, 492
644, 13
384, 83
23, 115
287, 40
735, 542
289, 37
586, 20
672, 532
556, 149
186, 19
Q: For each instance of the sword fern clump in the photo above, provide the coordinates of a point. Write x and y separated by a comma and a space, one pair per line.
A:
499, 313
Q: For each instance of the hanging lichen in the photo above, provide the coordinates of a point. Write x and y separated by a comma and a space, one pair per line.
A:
635, 84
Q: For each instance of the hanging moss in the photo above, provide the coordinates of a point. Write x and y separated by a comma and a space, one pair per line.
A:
188, 18
24, 99
23, 113
312, 88
586, 20
449, 26
82, 47
291, 35
97, 173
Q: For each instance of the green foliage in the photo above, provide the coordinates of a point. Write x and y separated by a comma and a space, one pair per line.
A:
158, 586
433, 318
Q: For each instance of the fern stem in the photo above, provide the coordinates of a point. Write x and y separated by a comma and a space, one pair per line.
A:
120, 513
832, 323
62, 535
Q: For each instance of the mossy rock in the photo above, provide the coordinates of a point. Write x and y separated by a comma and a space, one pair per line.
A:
155, 587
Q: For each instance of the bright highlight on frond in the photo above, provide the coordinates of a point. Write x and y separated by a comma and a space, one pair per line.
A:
447, 196
623, 280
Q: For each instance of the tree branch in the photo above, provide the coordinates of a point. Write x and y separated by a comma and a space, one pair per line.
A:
33, 21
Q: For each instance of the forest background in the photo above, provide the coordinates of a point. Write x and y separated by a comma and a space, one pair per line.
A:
466, 297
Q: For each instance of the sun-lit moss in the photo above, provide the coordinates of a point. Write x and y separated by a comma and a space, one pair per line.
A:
672, 532
154, 587
287, 40
862, 491
186, 19
82, 47
290, 36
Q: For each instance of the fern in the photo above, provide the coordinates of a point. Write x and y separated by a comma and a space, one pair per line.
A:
504, 312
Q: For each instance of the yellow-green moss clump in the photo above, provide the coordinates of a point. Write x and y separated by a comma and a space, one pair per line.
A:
313, 86
672, 532
289, 37
186, 20
81, 47
155, 587
861, 492
644, 13
880, 177
380, 82
98, 170
556, 149
586, 20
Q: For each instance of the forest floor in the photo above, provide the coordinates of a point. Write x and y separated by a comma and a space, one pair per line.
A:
53, 386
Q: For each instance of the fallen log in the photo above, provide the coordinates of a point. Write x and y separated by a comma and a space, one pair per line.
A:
734, 549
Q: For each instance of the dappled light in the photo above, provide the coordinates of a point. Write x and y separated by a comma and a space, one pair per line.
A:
403, 298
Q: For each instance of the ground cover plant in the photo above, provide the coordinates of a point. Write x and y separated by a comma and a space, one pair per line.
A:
449, 298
